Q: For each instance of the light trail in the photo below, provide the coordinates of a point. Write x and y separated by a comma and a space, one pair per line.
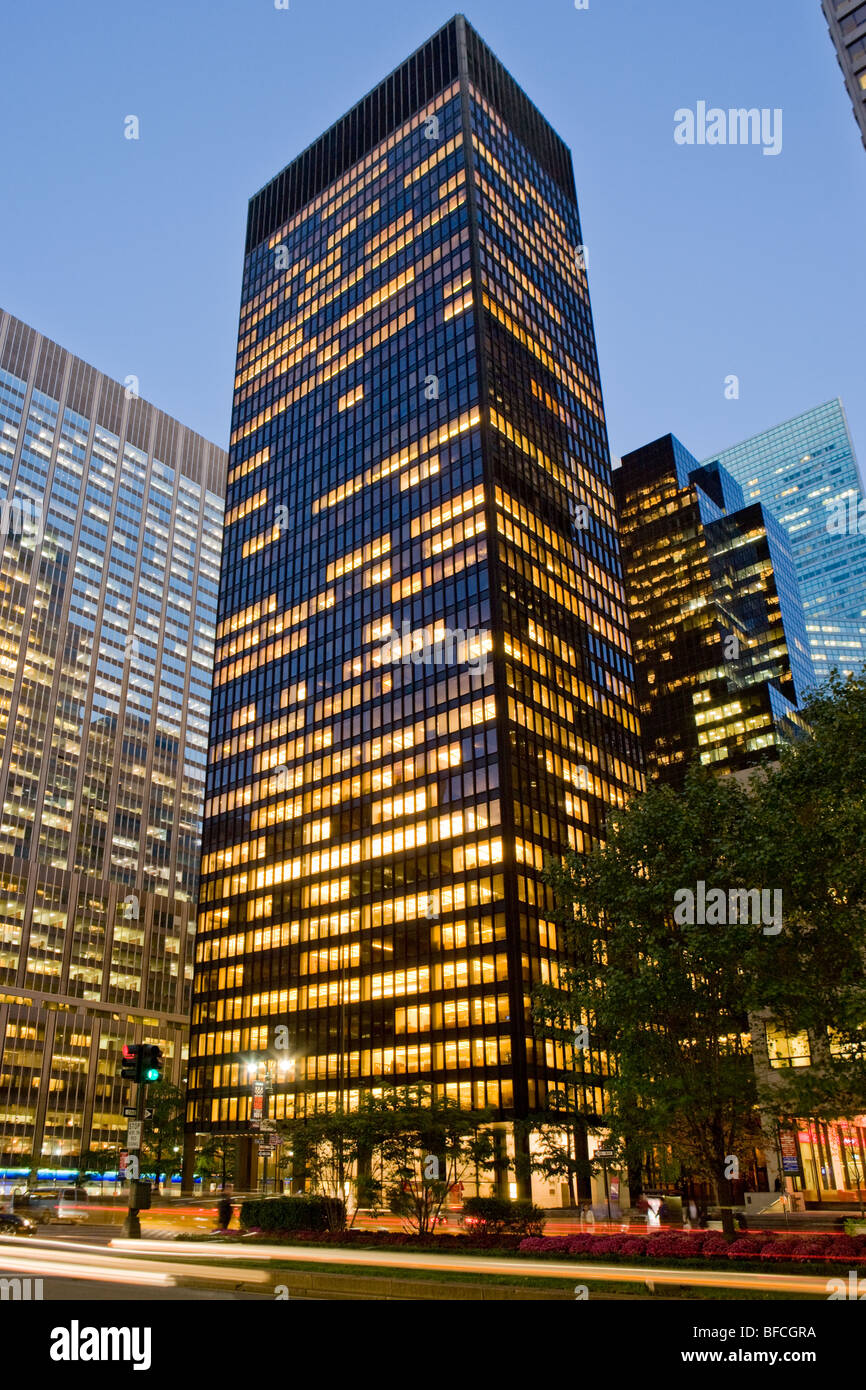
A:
486, 1264
93, 1262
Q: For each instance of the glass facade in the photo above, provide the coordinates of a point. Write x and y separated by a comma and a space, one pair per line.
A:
423, 679
720, 641
846, 20
805, 472
111, 532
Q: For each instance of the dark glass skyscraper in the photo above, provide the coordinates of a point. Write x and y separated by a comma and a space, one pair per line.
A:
721, 651
423, 679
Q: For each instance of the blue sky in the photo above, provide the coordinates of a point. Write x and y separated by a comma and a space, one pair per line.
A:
703, 261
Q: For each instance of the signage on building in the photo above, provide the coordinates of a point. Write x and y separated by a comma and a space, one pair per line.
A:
258, 1103
790, 1154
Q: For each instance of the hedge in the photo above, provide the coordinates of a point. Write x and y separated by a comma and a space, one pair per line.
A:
305, 1212
704, 1245
497, 1214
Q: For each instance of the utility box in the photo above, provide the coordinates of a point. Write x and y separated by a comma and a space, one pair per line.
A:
140, 1195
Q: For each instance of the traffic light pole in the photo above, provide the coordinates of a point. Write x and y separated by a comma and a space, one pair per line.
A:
132, 1224
142, 1062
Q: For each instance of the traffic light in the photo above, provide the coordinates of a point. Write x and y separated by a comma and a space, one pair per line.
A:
130, 1064
151, 1062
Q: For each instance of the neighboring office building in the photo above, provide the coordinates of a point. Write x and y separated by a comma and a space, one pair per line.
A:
846, 20
805, 472
720, 645
112, 518
418, 448
702, 569
823, 1161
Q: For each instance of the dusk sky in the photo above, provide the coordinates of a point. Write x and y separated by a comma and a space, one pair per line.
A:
704, 262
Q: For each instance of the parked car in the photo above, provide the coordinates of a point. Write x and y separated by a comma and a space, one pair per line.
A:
11, 1224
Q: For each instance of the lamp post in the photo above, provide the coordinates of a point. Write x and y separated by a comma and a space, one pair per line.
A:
271, 1066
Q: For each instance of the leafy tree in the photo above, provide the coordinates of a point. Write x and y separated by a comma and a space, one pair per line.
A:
331, 1150
163, 1132
672, 1001
809, 833
99, 1161
422, 1146
217, 1156
561, 1151
667, 1000
426, 1144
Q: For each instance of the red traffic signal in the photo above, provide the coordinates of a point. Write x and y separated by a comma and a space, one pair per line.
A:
130, 1064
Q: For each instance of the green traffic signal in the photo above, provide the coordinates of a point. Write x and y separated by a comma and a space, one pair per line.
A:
151, 1062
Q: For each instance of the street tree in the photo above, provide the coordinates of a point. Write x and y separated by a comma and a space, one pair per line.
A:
665, 1002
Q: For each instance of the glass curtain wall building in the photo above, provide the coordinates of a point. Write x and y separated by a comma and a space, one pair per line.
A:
846, 20
111, 532
423, 679
805, 472
721, 653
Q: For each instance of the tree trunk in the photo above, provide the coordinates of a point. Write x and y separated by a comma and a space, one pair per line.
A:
725, 1197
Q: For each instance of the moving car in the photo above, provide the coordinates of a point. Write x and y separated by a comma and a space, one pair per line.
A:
11, 1224
47, 1204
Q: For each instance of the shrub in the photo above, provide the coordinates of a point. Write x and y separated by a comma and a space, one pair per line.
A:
782, 1248
817, 1245
305, 1212
632, 1246
845, 1248
495, 1214
748, 1247
681, 1247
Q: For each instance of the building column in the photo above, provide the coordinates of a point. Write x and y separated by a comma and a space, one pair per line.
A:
500, 1161
187, 1172
246, 1167
522, 1161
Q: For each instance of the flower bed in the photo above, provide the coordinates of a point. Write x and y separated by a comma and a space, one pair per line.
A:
664, 1247
703, 1245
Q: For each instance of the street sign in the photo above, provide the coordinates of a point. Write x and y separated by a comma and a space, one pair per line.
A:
129, 1112
133, 1134
604, 1153
148, 1114
265, 1151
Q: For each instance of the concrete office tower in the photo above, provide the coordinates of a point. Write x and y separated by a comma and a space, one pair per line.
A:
805, 472
111, 519
423, 679
720, 643
846, 20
